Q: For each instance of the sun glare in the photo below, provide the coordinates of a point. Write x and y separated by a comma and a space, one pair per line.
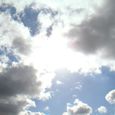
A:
51, 54
54, 54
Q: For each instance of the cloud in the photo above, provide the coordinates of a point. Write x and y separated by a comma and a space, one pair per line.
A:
59, 82
19, 83
110, 97
14, 35
47, 108
79, 108
53, 4
19, 80
21, 45
102, 109
17, 86
96, 33
14, 105
31, 113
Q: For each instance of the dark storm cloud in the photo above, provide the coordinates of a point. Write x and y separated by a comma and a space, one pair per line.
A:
10, 108
19, 80
17, 84
29, 16
97, 32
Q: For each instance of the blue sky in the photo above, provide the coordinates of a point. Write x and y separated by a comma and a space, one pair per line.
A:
57, 57
93, 89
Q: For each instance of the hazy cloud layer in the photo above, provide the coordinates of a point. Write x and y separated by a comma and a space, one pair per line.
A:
96, 33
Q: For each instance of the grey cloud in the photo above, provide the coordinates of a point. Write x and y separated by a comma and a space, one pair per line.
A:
22, 46
12, 108
17, 86
19, 80
49, 30
75, 11
9, 109
97, 32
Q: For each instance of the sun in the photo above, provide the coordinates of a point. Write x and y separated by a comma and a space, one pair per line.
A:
50, 54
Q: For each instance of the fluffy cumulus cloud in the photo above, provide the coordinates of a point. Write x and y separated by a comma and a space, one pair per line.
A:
29, 19
79, 108
110, 97
95, 35
102, 109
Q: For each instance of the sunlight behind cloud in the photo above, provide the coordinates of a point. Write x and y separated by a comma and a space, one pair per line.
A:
52, 54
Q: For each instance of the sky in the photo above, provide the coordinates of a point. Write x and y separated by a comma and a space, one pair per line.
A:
57, 57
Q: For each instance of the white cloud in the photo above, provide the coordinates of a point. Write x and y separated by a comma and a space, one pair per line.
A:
78, 108
102, 109
47, 108
59, 82
20, 82
110, 97
78, 86
95, 35
14, 35
58, 56
31, 113
57, 4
